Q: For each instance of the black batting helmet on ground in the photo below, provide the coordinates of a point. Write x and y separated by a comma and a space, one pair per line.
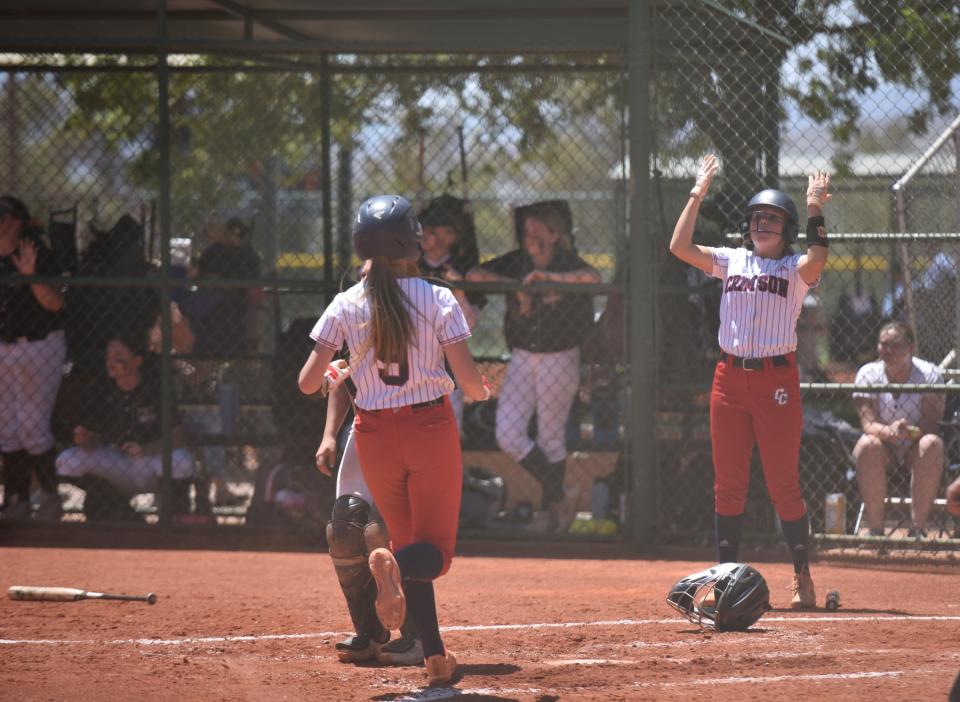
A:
778, 200
726, 597
387, 225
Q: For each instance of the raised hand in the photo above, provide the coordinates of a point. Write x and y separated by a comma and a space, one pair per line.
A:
708, 169
818, 189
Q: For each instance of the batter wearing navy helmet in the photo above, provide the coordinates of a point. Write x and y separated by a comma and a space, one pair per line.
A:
756, 388
399, 330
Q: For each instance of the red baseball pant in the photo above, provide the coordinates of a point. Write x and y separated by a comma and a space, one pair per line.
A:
411, 461
762, 407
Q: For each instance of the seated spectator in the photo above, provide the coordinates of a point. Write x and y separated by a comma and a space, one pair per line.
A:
898, 428
544, 329
32, 353
224, 320
117, 449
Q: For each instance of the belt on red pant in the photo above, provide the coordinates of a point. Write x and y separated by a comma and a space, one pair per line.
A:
415, 406
753, 364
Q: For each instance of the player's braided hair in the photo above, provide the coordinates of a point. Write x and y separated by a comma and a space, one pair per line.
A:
391, 326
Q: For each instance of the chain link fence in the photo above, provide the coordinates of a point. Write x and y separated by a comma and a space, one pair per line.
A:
269, 164
516, 164
779, 93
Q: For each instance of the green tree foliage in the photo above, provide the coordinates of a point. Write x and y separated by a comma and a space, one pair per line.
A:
721, 85
225, 125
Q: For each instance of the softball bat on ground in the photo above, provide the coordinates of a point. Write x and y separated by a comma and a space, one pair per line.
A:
70, 594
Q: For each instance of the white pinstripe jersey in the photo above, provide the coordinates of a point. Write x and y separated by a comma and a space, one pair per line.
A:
438, 321
761, 301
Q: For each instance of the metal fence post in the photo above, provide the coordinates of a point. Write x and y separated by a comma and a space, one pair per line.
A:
642, 289
166, 361
13, 134
326, 88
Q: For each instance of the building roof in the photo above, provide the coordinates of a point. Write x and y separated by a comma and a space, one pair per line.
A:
195, 26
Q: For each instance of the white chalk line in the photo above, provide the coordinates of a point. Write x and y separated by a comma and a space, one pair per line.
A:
778, 679
837, 619
445, 693
591, 661
747, 656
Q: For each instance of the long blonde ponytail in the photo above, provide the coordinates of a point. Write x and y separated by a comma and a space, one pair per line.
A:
391, 328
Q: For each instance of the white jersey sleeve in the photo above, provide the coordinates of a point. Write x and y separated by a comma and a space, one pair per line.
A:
451, 325
721, 262
868, 374
793, 265
329, 331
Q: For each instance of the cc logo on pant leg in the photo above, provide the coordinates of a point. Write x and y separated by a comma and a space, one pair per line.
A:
780, 396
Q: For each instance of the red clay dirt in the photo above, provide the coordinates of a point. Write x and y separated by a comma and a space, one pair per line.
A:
261, 626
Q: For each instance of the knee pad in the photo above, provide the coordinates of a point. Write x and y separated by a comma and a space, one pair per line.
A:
355, 529
347, 537
346, 529
375, 534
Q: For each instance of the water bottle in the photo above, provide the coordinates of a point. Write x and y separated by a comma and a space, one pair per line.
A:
835, 521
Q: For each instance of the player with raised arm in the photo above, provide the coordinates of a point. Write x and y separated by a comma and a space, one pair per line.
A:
756, 388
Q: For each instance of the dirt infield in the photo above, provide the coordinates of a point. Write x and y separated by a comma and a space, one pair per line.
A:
261, 626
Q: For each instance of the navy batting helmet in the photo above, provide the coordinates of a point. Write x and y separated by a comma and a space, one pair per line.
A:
726, 597
387, 226
779, 200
